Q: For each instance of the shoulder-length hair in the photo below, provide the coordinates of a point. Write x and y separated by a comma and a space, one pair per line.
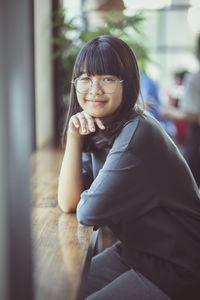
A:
107, 55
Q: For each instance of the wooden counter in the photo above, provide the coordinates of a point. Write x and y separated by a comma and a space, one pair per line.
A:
62, 248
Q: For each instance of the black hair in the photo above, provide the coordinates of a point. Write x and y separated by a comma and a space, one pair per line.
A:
107, 55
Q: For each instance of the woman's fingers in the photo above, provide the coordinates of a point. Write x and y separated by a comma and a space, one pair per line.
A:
84, 124
75, 121
90, 122
100, 123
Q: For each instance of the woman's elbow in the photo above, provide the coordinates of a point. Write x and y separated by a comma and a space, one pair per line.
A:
85, 216
82, 219
65, 206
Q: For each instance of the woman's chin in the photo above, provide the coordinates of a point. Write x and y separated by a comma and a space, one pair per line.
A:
99, 113
95, 114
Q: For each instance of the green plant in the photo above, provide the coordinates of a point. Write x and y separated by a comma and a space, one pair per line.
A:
70, 38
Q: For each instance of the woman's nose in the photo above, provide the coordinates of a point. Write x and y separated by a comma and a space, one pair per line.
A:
96, 87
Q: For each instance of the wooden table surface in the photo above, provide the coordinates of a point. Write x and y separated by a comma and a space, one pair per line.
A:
62, 248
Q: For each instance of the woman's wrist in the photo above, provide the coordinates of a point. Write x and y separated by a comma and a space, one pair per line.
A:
75, 138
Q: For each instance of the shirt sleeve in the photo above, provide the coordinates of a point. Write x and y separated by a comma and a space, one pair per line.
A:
87, 170
118, 192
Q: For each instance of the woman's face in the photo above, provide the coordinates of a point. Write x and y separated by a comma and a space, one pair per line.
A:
99, 95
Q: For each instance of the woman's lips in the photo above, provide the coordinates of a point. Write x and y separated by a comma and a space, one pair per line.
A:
96, 102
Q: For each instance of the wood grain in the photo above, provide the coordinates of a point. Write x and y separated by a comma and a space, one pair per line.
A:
62, 248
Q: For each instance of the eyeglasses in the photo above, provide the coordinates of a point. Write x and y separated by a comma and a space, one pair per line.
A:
84, 84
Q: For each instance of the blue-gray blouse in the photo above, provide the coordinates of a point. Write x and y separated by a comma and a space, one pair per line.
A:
143, 190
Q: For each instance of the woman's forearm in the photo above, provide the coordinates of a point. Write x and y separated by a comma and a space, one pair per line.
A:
70, 180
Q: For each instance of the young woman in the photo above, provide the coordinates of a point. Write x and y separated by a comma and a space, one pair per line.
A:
121, 169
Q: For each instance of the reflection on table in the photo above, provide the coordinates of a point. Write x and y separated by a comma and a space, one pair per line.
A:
62, 248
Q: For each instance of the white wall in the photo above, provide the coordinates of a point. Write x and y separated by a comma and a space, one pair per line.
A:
43, 72
179, 40
171, 44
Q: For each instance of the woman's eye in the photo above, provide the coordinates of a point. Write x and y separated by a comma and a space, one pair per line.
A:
109, 79
85, 79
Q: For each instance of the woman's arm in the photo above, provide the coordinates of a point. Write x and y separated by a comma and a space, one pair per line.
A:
116, 193
71, 180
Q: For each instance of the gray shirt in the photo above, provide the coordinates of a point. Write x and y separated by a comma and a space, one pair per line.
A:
144, 191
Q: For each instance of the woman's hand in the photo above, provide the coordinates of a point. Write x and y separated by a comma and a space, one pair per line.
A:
84, 124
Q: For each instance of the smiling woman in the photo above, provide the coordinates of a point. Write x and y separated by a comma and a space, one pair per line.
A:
99, 96
120, 169
102, 60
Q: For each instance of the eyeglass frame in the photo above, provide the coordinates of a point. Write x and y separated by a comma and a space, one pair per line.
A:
92, 82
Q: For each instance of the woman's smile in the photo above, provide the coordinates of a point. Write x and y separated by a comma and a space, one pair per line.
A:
96, 102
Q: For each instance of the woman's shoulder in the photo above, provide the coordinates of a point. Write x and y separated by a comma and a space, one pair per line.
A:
142, 121
141, 128
140, 117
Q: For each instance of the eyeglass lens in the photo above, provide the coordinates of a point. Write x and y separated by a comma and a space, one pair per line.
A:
84, 85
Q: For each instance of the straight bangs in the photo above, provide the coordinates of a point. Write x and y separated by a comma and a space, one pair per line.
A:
99, 60
106, 55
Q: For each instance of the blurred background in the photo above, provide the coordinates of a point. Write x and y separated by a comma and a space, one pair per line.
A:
162, 34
